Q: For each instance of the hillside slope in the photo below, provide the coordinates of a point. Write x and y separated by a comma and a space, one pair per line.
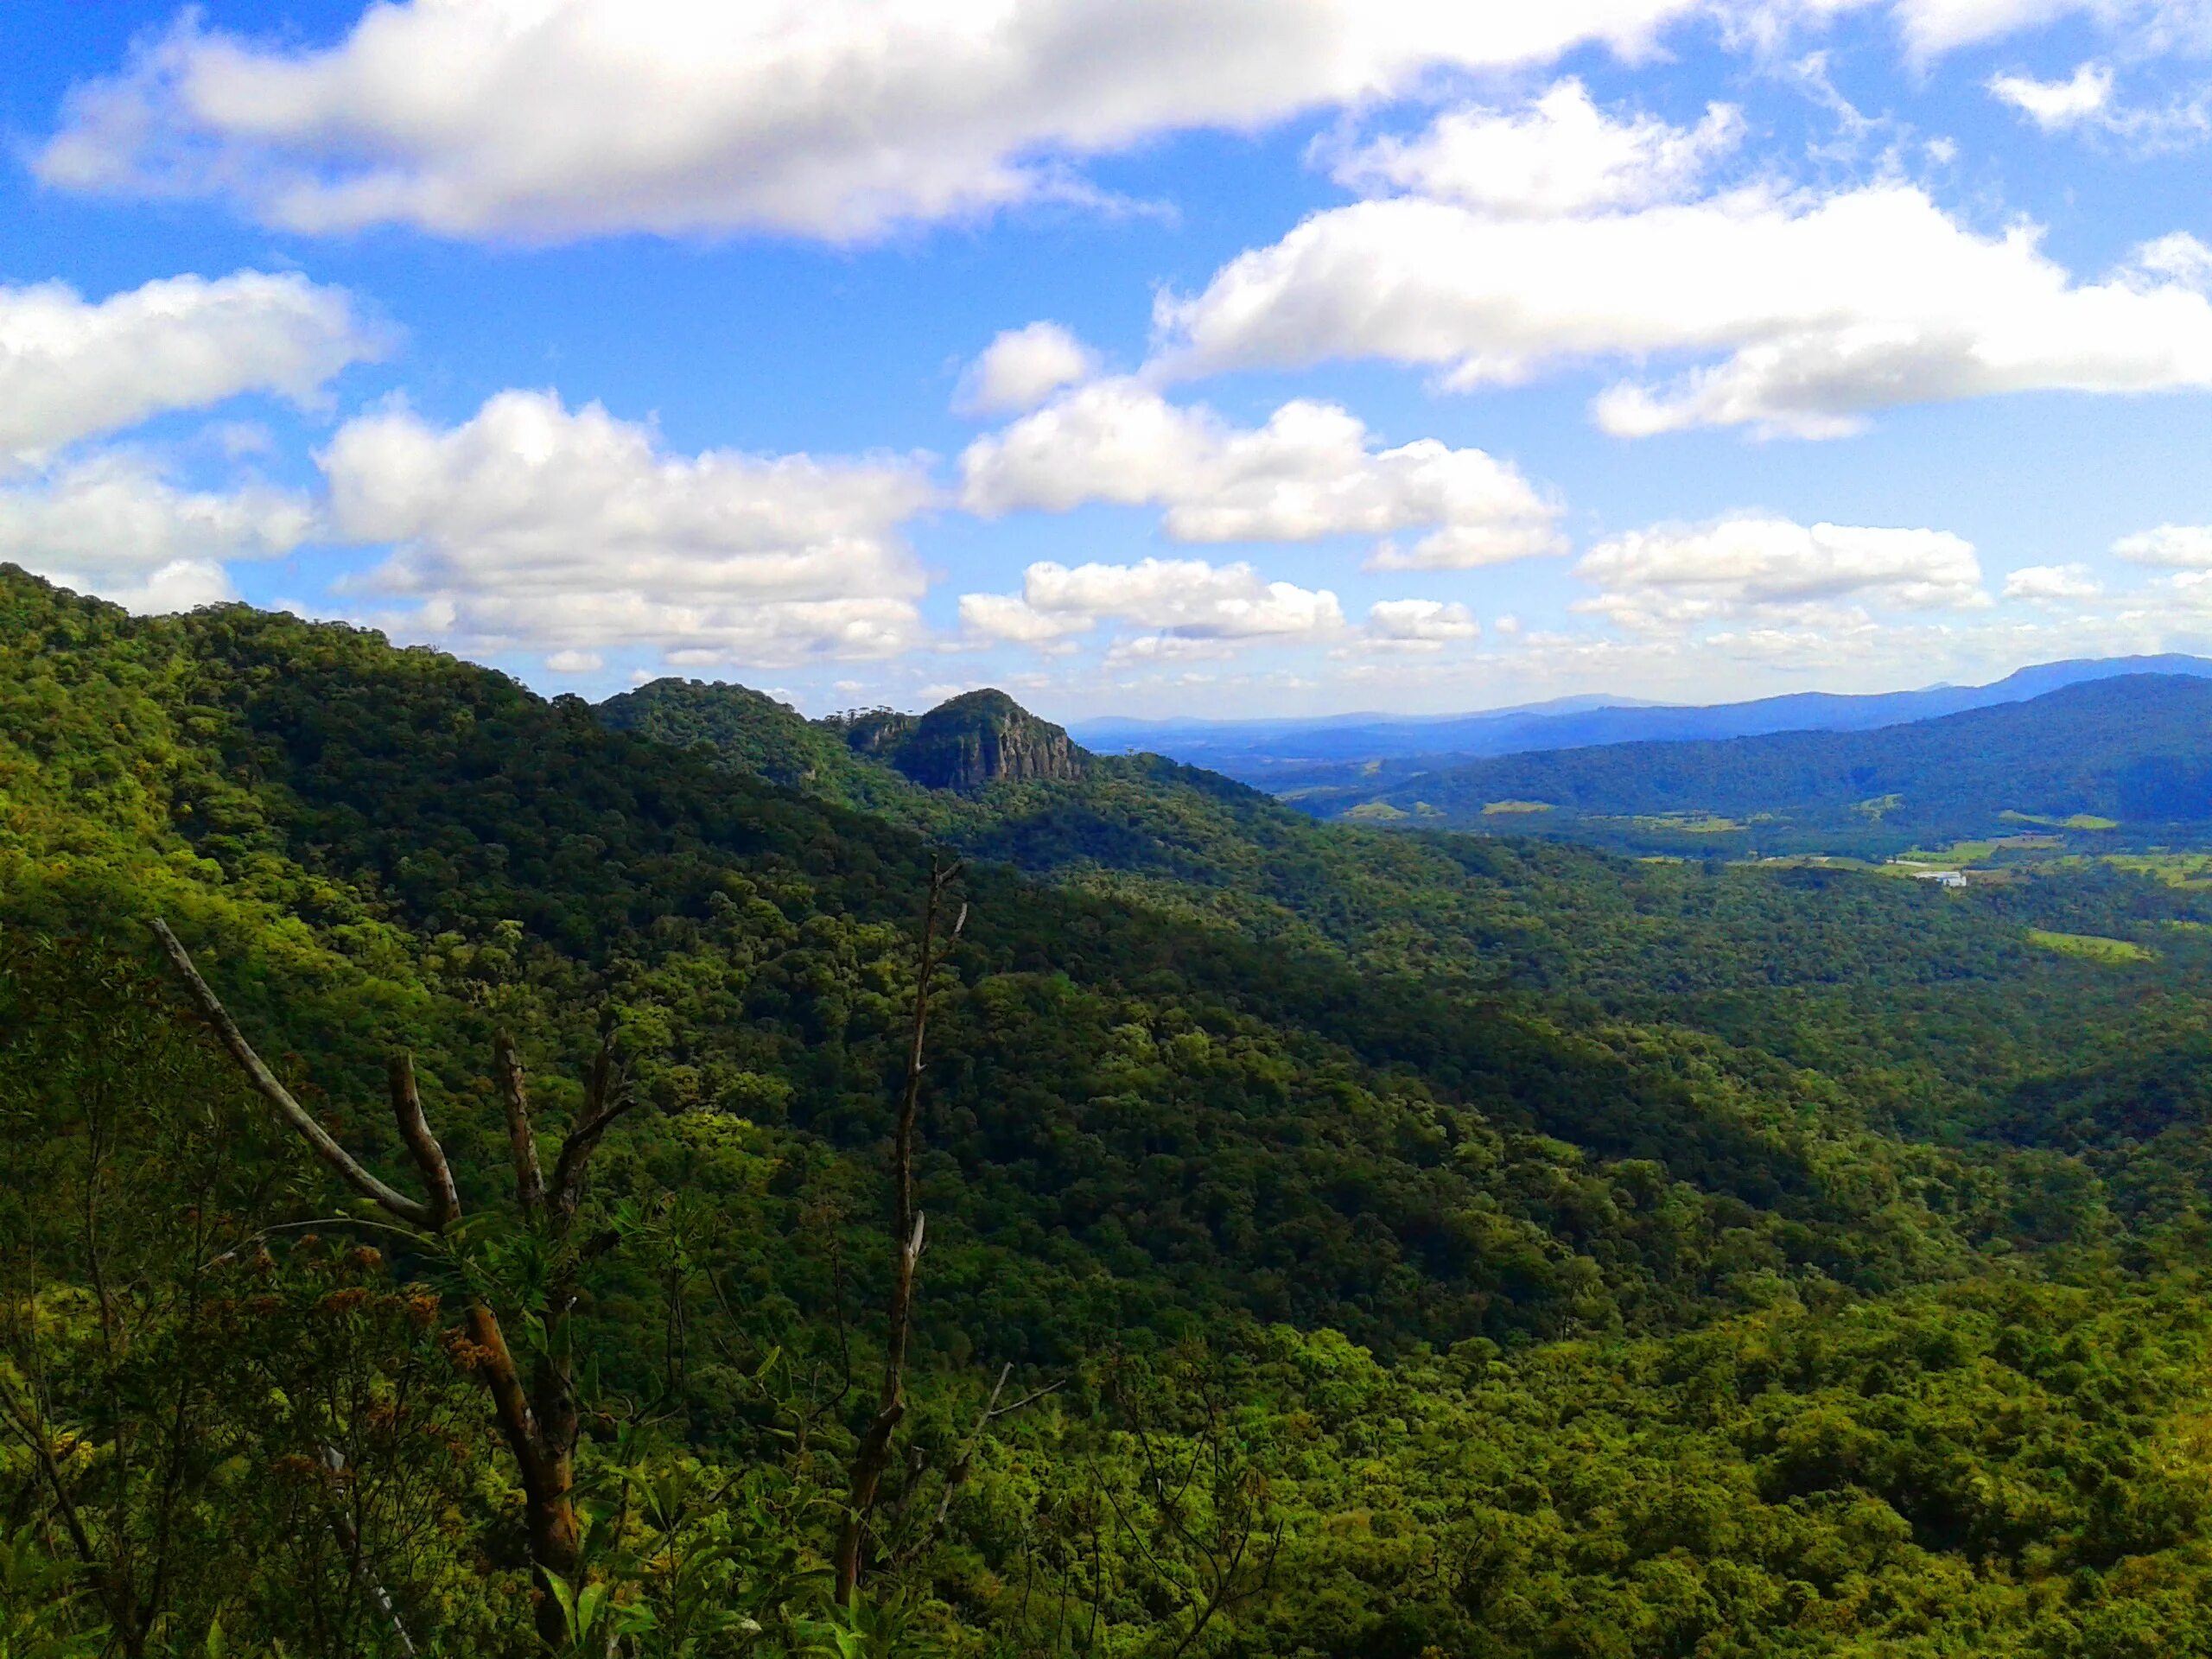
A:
1148, 1117
1340, 752
1704, 1310
2135, 750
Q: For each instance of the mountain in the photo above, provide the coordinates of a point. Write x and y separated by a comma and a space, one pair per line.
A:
2129, 756
1379, 1244
967, 744
1282, 755
975, 740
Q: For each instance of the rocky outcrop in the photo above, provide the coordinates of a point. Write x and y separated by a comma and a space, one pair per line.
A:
979, 738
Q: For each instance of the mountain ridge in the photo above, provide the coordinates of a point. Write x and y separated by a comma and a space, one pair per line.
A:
1289, 754
2126, 756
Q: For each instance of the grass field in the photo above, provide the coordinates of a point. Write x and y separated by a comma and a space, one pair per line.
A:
1688, 823
1502, 808
2091, 946
2175, 869
2078, 821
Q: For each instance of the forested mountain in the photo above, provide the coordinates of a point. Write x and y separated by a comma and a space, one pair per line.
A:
2135, 752
1395, 1243
1338, 751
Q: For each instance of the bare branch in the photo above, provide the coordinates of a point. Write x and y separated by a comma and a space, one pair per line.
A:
517, 1423
907, 1235
606, 1097
264, 1081
959, 1473
414, 1130
529, 1177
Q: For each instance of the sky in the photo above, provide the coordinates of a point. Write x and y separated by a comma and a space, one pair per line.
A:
1216, 358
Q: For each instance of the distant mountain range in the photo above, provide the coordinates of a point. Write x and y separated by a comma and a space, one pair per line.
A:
2103, 753
1284, 755
2125, 758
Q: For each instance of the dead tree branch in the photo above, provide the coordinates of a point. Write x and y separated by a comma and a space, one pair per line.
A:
908, 1229
539, 1419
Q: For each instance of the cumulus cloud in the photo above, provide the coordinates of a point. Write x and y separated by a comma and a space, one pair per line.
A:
1186, 600
834, 118
1561, 155
2052, 584
1311, 471
1022, 368
1819, 309
2183, 546
115, 517
1420, 625
1151, 650
2177, 258
1931, 28
1009, 619
2055, 106
72, 369
1680, 576
571, 529
181, 585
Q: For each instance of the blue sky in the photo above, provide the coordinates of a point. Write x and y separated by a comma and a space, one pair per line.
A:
1216, 357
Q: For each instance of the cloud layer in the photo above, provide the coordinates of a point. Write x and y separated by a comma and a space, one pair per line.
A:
1680, 575
1311, 471
72, 369
536, 525
831, 118
1561, 155
1819, 310
1184, 600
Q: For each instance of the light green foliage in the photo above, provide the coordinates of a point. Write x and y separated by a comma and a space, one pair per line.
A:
2091, 946
1428, 1243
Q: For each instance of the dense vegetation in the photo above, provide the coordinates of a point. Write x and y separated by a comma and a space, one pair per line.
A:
1350, 752
2124, 756
1413, 1243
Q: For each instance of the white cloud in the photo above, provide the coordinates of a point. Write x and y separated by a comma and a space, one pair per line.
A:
2056, 105
2177, 258
1819, 309
1561, 155
837, 118
115, 514
183, 585
1680, 575
2185, 546
2052, 583
71, 369
1022, 368
1309, 472
1422, 625
1187, 600
1932, 27
574, 662
1009, 618
1147, 650
571, 529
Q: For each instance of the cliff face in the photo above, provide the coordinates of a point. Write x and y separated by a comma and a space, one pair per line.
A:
979, 737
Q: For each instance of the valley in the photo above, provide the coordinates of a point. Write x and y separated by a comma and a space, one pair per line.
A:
1516, 1246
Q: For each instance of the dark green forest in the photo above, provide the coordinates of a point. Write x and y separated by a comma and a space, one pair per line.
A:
2129, 752
1280, 1238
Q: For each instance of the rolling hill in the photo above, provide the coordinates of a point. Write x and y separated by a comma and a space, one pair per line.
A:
1348, 751
2126, 758
1537, 1252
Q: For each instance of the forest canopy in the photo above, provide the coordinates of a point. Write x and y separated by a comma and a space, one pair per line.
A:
1337, 1241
